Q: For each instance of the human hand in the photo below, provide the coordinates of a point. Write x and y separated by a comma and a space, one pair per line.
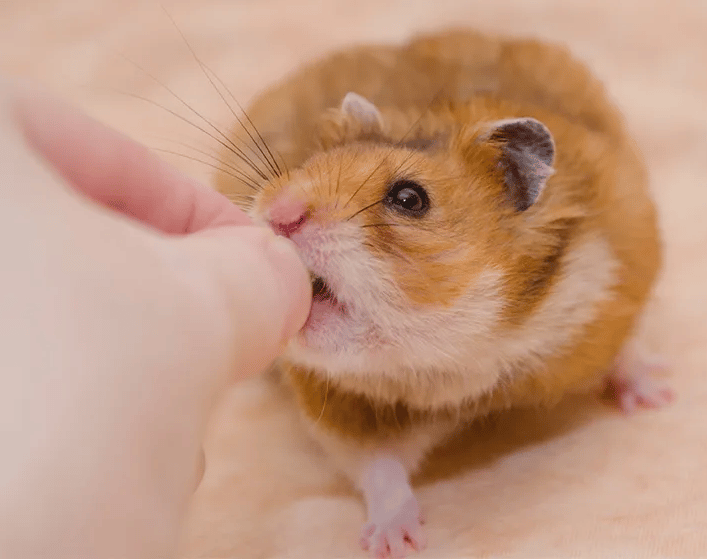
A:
131, 296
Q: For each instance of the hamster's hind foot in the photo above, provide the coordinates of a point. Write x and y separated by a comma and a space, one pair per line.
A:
390, 537
634, 381
394, 518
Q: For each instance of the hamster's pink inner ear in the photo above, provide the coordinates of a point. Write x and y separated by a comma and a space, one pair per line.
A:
366, 113
527, 155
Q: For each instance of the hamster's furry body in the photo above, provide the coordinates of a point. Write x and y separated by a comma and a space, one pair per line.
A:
478, 224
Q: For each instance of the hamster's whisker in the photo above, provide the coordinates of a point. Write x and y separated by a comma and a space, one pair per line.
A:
262, 140
240, 198
338, 178
338, 181
213, 166
226, 142
414, 125
252, 124
385, 224
376, 168
269, 160
227, 165
235, 151
326, 397
273, 168
243, 201
408, 158
330, 184
364, 209
319, 184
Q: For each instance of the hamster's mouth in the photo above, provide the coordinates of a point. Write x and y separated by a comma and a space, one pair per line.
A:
325, 305
321, 290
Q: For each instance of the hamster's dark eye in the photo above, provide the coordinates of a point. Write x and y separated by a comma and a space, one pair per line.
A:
407, 197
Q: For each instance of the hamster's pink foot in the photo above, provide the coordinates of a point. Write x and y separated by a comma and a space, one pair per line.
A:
394, 518
633, 383
389, 538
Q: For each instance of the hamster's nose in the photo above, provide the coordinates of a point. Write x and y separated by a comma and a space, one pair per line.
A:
287, 215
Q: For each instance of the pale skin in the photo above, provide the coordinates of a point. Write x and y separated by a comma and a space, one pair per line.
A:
130, 298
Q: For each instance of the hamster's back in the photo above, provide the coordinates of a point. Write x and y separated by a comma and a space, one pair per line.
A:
452, 66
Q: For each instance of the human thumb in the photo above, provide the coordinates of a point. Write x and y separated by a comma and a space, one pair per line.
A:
255, 288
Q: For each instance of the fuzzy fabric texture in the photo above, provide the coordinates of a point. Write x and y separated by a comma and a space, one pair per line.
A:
581, 480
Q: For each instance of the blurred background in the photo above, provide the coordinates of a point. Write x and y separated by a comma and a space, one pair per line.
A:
652, 53
647, 495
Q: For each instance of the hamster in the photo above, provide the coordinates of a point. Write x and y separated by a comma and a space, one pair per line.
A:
480, 235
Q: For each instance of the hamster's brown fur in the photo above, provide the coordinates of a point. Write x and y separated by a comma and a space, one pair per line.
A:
462, 65
439, 92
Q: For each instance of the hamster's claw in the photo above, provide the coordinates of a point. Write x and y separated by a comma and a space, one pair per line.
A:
390, 538
632, 383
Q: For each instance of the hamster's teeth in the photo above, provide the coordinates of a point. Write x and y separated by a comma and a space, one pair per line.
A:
320, 289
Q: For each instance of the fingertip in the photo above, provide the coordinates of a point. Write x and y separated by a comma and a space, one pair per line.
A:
296, 289
252, 280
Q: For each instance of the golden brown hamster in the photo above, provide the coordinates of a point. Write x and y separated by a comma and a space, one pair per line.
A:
480, 235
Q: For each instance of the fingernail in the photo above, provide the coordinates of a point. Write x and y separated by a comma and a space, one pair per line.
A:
295, 286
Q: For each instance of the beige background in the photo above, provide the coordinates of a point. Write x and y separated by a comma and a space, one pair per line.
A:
580, 481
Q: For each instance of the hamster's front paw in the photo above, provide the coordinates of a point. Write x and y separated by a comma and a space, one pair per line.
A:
387, 538
633, 382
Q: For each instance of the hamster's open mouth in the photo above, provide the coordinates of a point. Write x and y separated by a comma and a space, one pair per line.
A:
321, 290
324, 303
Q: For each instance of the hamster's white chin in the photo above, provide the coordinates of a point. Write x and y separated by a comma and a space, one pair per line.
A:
327, 331
334, 340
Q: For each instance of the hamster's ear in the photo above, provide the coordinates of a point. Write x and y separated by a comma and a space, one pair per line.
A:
361, 109
527, 155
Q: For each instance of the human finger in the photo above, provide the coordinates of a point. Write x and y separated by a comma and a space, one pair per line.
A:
257, 279
117, 172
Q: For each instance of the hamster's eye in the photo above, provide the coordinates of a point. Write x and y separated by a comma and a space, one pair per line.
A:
407, 197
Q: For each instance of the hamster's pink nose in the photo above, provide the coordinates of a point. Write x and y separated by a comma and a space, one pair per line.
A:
287, 215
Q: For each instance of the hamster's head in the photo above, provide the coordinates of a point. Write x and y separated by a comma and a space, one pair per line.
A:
408, 241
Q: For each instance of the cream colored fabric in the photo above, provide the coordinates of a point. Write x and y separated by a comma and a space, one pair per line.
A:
580, 481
